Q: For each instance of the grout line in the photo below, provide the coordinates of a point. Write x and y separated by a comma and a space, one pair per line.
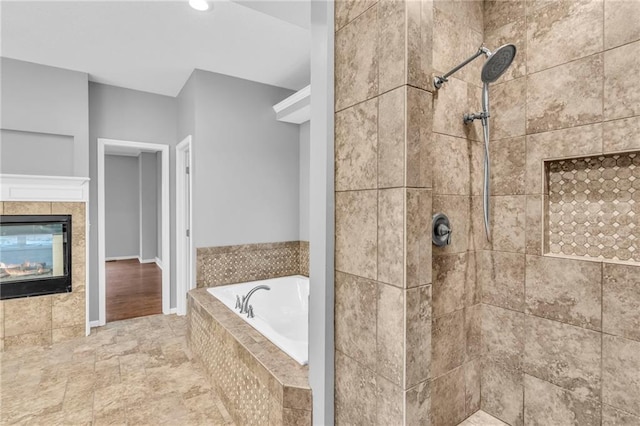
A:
354, 18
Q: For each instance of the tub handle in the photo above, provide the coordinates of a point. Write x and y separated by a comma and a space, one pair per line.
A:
239, 302
250, 312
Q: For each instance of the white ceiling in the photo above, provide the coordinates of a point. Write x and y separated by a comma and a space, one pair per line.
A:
155, 45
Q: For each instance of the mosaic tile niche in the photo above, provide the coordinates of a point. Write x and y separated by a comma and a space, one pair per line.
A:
593, 207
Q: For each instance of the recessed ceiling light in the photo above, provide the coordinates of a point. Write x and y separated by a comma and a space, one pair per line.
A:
200, 5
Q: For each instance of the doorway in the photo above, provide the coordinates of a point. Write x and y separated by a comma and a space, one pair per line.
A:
125, 272
184, 229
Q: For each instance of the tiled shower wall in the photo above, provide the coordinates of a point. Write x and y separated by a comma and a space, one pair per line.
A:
560, 335
383, 205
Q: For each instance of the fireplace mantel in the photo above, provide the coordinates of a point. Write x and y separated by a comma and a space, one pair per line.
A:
43, 188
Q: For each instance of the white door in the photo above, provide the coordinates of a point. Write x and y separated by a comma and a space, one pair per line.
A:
184, 231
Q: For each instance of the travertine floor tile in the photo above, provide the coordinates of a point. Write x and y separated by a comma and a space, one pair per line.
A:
137, 371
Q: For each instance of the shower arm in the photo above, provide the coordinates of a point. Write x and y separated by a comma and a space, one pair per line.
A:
438, 81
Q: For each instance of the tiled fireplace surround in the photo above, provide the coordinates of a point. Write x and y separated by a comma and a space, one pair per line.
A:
429, 338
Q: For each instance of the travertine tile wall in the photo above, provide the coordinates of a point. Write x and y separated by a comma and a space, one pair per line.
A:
383, 207
43, 320
558, 334
250, 262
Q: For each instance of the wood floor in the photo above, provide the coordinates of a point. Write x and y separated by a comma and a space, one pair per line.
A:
134, 289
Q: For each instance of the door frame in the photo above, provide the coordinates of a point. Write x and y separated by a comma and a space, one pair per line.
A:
185, 273
166, 232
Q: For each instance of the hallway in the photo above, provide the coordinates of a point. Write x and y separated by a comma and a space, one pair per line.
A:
134, 289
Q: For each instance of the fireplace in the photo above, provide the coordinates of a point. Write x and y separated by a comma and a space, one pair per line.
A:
35, 255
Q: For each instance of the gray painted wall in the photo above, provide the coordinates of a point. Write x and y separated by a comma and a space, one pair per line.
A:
148, 205
305, 146
44, 101
122, 206
246, 169
159, 205
30, 153
118, 113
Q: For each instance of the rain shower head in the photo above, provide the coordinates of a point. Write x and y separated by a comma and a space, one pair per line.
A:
498, 63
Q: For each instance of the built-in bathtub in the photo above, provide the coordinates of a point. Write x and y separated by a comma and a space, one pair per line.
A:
256, 380
281, 314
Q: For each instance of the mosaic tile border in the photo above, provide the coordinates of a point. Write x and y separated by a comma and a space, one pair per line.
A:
250, 262
592, 207
258, 383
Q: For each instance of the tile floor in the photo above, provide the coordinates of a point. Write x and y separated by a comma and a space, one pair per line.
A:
480, 418
136, 372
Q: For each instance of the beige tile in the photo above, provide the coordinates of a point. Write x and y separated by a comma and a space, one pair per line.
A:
347, 10
68, 309
355, 318
356, 233
26, 340
621, 373
391, 138
502, 393
1, 207
447, 343
508, 109
448, 398
478, 235
473, 332
621, 135
293, 417
473, 381
563, 31
583, 140
418, 243
67, 333
357, 147
451, 272
356, 57
457, 208
498, 13
547, 404
27, 315
565, 290
392, 44
418, 335
391, 231
514, 32
507, 223
467, 13
566, 96
390, 341
621, 19
613, 417
621, 93
21, 207
480, 418
1, 319
450, 103
419, 44
419, 138
621, 300
507, 166
355, 393
534, 221
390, 402
451, 171
564, 355
502, 279
418, 404
503, 337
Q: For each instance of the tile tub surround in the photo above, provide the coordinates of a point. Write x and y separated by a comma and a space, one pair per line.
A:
257, 382
135, 372
43, 320
251, 262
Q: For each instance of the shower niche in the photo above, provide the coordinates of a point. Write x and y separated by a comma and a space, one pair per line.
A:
592, 210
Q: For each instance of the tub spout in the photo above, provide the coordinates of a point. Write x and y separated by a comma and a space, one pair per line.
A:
245, 299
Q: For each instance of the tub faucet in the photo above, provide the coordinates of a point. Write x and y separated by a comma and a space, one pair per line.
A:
245, 299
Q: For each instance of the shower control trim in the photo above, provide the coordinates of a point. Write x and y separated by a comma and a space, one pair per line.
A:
441, 231
468, 118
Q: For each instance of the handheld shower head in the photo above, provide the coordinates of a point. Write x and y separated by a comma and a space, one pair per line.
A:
497, 63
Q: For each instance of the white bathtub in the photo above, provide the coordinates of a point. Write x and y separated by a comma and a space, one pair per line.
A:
280, 314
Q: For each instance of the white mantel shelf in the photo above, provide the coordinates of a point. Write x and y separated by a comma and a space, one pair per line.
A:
43, 188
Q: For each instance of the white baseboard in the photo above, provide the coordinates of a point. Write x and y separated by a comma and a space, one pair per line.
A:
94, 323
158, 262
146, 260
121, 258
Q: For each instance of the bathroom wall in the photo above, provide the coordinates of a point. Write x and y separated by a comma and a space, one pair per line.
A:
559, 333
43, 106
457, 182
122, 206
303, 211
131, 115
382, 209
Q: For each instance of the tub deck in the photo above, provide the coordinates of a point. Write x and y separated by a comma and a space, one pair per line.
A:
257, 382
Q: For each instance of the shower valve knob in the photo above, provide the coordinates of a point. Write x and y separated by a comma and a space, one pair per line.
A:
441, 230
